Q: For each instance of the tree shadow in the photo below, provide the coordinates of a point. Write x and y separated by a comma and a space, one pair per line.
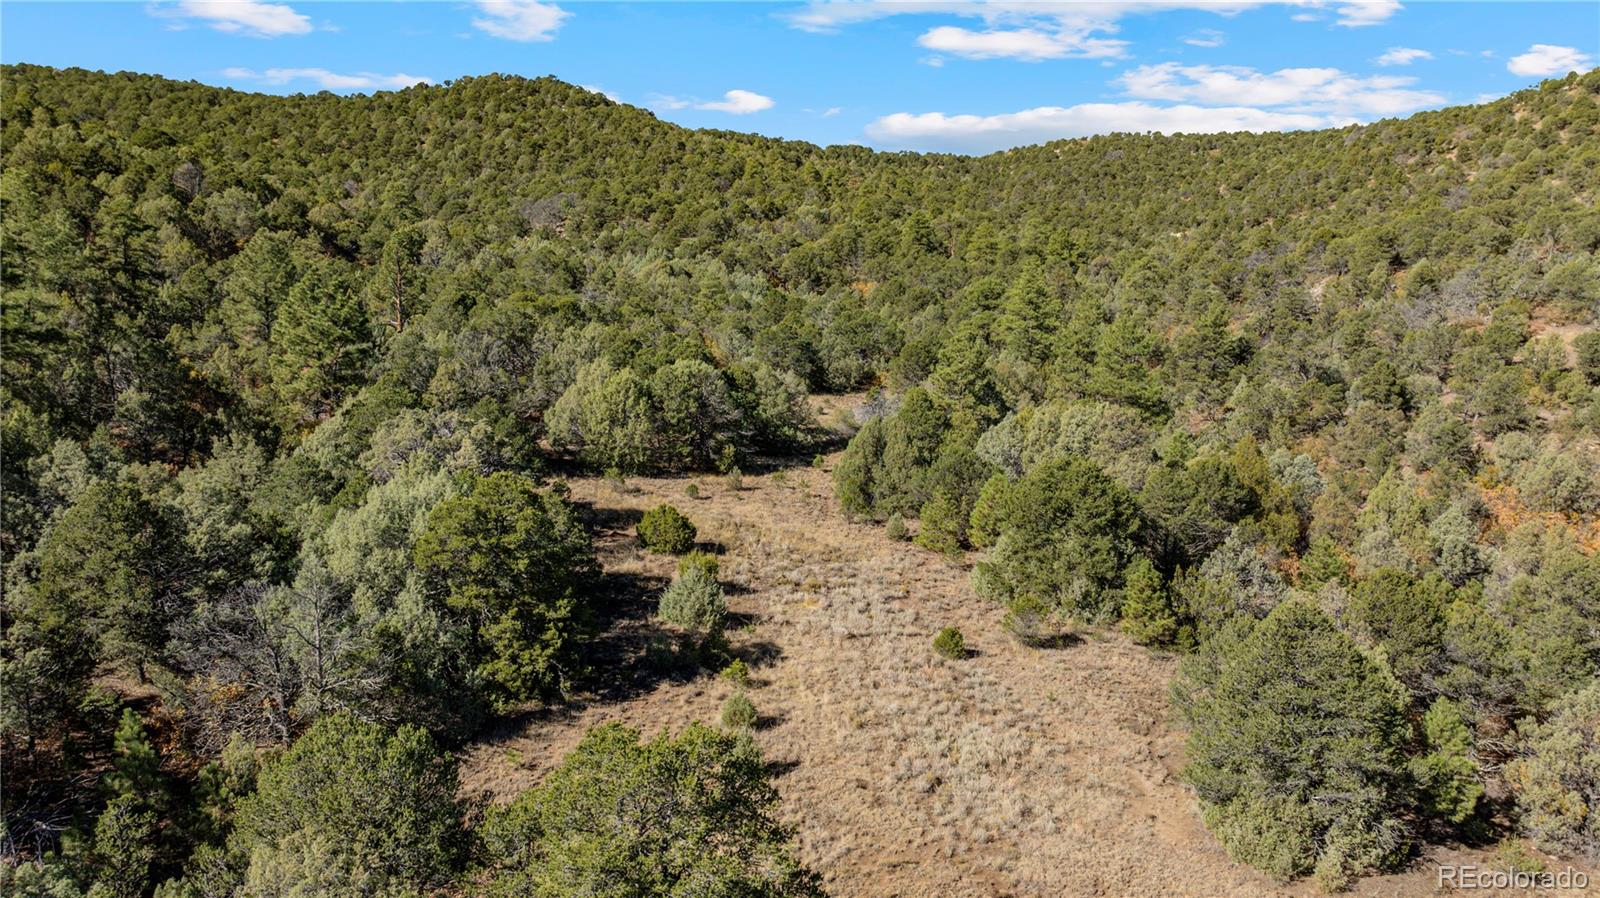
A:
608, 519
1053, 641
633, 652
759, 654
776, 769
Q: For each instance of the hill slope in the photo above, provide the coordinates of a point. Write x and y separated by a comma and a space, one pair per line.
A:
287, 379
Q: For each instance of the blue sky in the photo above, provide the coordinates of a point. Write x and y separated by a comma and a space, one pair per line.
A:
951, 75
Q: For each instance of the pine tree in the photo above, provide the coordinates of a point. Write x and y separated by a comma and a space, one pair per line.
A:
1147, 613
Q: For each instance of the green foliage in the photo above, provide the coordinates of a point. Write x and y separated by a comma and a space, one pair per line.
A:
1323, 563
514, 564
1148, 616
694, 601
896, 529
697, 559
949, 643
1557, 791
1587, 347
382, 802
666, 530
1294, 747
690, 814
261, 358
320, 344
135, 766
737, 672
983, 526
853, 477
942, 525
738, 713
1446, 775
125, 848
1066, 534
1405, 617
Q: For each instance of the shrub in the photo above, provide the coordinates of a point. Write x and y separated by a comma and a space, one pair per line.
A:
737, 672
895, 529
950, 643
735, 480
694, 602
1554, 780
1031, 623
666, 530
698, 559
983, 527
819, 461
738, 713
692, 490
1516, 856
1067, 531
1588, 349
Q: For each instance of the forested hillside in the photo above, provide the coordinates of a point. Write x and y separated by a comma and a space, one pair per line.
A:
290, 384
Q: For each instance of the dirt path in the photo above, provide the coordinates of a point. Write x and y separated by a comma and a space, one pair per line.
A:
1017, 772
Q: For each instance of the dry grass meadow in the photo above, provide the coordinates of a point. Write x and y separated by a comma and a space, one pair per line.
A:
1016, 772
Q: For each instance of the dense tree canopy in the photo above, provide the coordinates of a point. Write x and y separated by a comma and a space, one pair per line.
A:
284, 380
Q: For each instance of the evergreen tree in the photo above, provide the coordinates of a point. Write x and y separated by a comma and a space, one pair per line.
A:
676, 815
514, 564
114, 561
1295, 748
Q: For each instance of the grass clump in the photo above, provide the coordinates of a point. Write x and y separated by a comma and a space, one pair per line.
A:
738, 713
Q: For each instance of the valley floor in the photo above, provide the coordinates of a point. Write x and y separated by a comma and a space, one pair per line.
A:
1016, 772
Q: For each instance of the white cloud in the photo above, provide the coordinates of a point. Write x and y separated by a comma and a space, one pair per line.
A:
1309, 90
248, 17
594, 89
1543, 60
1361, 13
520, 20
1032, 30
831, 15
831, 111
1205, 37
1027, 44
734, 102
738, 102
327, 80
985, 133
1402, 56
